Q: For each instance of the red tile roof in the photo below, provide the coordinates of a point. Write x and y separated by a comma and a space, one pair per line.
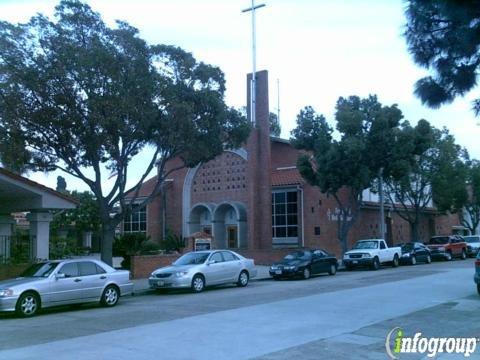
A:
34, 184
147, 188
288, 176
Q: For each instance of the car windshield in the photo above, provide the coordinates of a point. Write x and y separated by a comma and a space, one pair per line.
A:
408, 246
366, 245
40, 270
471, 239
439, 240
298, 255
192, 259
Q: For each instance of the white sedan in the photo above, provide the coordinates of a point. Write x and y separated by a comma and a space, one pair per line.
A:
195, 270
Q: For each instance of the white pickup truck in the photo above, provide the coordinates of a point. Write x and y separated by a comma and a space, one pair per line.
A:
372, 253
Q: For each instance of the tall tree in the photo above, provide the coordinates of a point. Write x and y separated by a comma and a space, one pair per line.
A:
87, 98
344, 168
434, 176
470, 216
444, 36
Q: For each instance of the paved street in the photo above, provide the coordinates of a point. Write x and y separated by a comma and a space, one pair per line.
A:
346, 316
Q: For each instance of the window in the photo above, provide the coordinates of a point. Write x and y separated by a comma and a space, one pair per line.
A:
285, 214
317, 230
228, 256
217, 257
70, 270
136, 221
87, 268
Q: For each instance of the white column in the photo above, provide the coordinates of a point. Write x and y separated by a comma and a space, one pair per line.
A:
40, 232
6, 226
87, 239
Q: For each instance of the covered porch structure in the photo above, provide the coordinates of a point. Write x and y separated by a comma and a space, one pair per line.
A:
19, 194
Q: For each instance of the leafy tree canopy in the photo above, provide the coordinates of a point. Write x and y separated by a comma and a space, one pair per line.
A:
83, 97
444, 36
344, 167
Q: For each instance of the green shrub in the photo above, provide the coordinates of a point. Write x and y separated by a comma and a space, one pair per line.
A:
172, 243
149, 247
61, 248
129, 244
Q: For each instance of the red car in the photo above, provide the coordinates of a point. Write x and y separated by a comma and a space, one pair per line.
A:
447, 247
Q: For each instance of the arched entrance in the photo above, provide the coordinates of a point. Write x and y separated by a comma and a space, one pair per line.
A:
200, 219
230, 225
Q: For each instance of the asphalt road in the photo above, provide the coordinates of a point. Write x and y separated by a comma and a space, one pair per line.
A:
346, 316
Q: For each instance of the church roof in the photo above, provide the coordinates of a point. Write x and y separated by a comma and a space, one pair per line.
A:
286, 176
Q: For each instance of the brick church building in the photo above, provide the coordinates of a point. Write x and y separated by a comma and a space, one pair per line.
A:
254, 199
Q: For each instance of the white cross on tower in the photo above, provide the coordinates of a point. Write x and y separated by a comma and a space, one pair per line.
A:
253, 89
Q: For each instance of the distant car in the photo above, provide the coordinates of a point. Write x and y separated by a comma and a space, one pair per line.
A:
447, 247
304, 263
372, 253
196, 270
473, 244
477, 273
414, 252
60, 282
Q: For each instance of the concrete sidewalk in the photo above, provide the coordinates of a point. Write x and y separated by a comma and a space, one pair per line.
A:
140, 286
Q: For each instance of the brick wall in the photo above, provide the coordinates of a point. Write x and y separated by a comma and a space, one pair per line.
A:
143, 265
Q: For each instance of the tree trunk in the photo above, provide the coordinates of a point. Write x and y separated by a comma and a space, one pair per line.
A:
108, 233
414, 231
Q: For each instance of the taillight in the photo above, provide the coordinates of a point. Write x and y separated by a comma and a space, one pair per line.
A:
477, 262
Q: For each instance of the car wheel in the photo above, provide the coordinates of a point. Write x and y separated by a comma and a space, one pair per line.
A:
198, 283
448, 256
276, 278
348, 267
395, 261
413, 260
333, 269
478, 289
28, 304
306, 273
429, 259
464, 254
376, 264
242, 279
110, 296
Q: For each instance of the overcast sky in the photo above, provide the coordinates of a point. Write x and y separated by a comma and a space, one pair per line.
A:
319, 50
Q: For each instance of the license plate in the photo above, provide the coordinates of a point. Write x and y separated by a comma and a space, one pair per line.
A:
278, 272
355, 262
161, 283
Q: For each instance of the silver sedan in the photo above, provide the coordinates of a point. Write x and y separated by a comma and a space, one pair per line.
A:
196, 270
53, 283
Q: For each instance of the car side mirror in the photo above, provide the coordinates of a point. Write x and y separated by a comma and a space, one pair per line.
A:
60, 276
210, 262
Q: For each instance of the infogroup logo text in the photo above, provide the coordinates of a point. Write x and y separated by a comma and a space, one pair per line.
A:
397, 343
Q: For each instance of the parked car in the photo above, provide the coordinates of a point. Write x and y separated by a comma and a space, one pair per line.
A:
414, 252
447, 247
52, 283
476, 278
196, 270
304, 263
473, 244
372, 253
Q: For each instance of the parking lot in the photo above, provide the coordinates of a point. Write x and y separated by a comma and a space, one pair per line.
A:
323, 317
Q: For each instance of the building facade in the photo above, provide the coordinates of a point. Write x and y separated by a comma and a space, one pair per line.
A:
254, 198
